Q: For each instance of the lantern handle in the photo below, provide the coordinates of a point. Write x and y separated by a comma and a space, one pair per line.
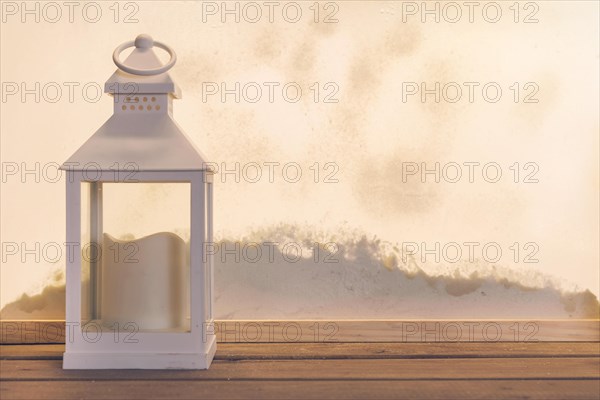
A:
144, 42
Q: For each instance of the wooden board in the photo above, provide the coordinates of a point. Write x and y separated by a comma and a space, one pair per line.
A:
349, 369
419, 389
307, 351
319, 331
562, 370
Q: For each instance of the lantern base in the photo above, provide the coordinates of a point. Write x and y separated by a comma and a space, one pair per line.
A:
119, 360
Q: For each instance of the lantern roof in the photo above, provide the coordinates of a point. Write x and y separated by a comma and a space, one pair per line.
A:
146, 137
148, 143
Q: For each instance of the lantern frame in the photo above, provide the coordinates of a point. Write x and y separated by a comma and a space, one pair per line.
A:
141, 133
194, 349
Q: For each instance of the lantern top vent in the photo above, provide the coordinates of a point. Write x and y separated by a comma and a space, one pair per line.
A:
142, 72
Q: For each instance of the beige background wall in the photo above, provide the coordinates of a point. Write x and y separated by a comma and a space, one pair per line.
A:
367, 57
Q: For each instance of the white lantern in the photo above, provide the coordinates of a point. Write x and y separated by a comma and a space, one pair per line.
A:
139, 213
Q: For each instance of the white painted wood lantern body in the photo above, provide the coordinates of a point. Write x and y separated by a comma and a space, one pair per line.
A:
139, 296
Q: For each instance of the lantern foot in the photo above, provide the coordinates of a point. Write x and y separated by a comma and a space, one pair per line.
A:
145, 360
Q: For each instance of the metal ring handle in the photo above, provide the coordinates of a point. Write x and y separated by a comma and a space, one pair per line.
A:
144, 72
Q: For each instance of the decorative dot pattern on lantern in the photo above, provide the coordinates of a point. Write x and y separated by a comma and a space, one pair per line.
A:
138, 280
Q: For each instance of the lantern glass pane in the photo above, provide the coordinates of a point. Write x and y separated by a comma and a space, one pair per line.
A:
86, 252
136, 256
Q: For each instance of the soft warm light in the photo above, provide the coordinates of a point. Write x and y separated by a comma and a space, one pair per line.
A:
368, 133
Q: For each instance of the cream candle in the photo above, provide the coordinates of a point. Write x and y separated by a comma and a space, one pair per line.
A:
144, 282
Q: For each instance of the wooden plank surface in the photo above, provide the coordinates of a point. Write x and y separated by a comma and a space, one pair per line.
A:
324, 371
333, 331
306, 351
315, 370
430, 389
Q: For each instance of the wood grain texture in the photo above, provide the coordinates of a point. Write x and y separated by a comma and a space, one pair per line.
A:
334, 331
559, 370
314, 370
418, 389
307, 351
